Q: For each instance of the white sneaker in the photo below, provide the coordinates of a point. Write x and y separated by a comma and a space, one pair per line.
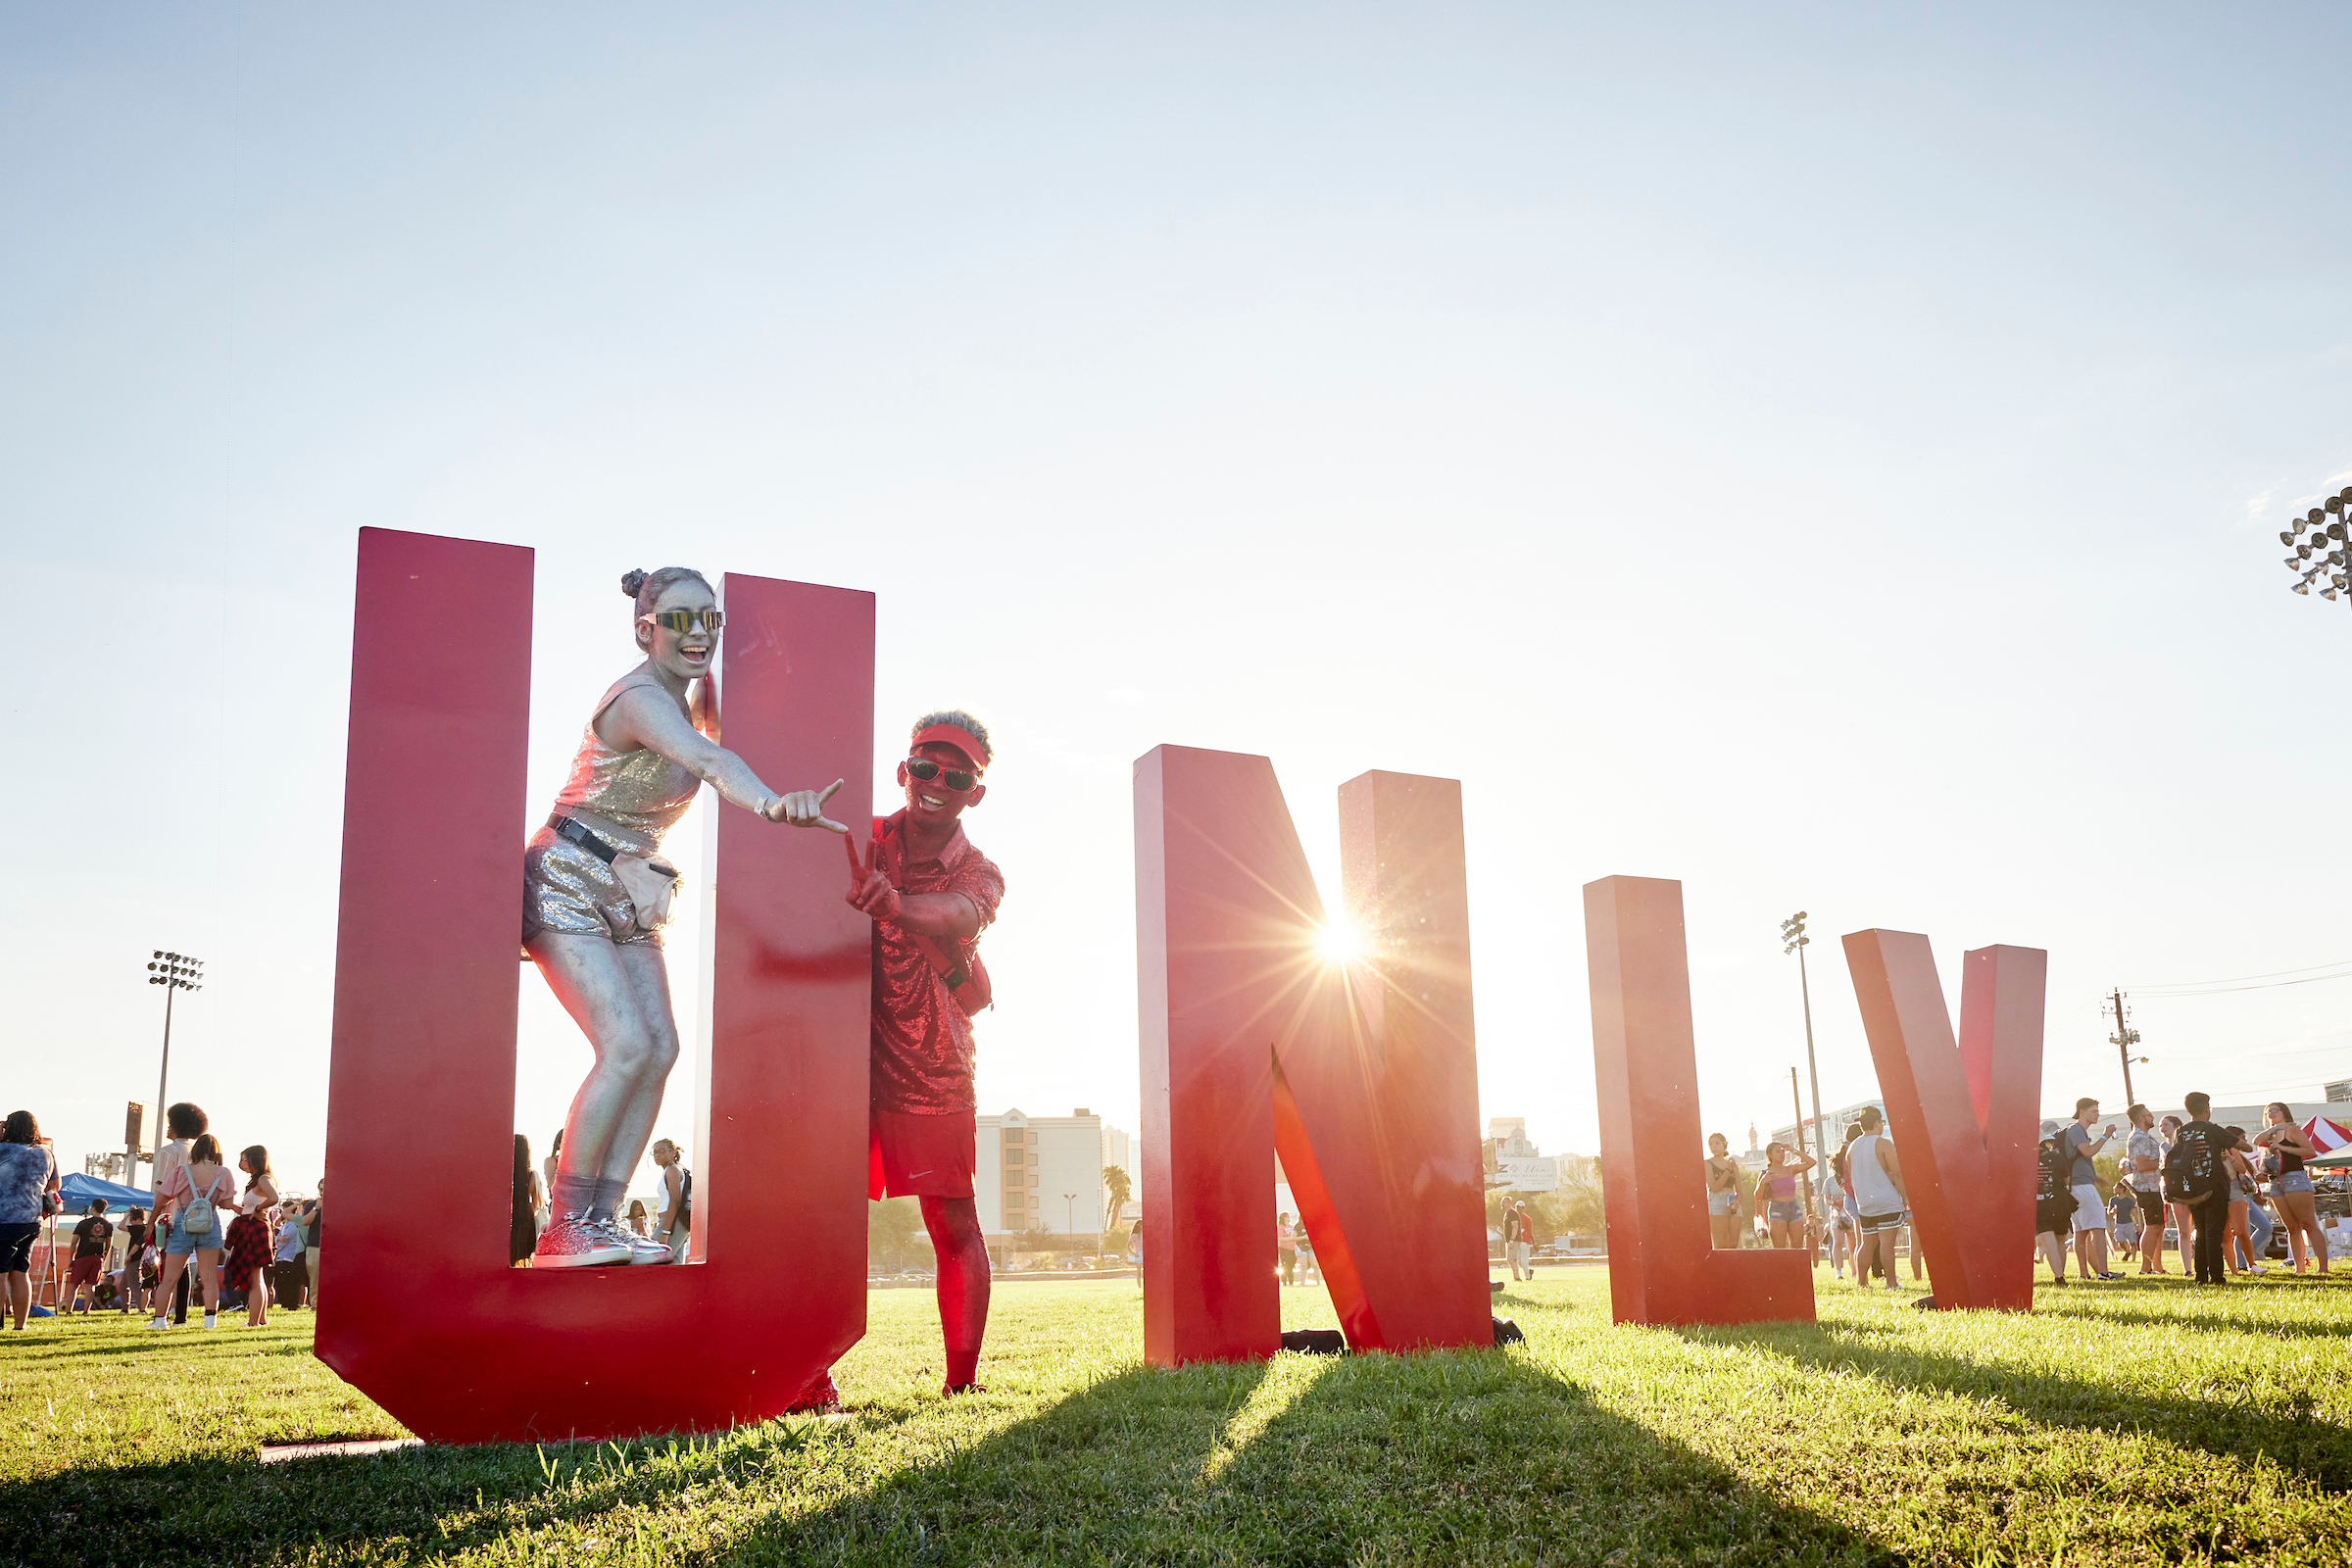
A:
643, 1249
576, 1242
161, 1323
211, 1321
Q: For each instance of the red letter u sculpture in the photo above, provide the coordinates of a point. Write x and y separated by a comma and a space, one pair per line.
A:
1663, 1267
427, 1319
1362, 1075
1964, 1120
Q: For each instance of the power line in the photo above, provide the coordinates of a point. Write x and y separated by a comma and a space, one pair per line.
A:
2230, 980
2164, 995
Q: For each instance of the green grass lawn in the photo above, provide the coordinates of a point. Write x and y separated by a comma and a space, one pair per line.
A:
2137, 1422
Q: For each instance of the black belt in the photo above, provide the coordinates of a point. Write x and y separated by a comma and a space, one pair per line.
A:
571, 829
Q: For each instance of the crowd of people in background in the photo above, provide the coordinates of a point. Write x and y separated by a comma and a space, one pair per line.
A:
2221, 1190
221, 1233
2216, 1186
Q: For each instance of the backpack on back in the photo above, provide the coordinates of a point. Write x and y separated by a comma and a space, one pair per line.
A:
2191, 1171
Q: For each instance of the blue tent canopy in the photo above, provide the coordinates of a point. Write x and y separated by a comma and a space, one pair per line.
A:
75, 1191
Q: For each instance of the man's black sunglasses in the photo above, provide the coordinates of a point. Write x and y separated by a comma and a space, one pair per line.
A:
924, 769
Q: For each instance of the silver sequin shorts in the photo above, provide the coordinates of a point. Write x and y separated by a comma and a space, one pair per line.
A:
565, 888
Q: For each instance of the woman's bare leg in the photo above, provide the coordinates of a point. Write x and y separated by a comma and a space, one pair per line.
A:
2299, 1213
208, 1274
607, 989
168, 1281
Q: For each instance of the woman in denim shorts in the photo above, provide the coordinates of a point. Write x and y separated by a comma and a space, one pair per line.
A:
2292, 1187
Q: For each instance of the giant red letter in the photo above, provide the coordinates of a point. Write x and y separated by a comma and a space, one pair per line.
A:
1364, 1075
427, 1319
1663, 1266
1964, 1120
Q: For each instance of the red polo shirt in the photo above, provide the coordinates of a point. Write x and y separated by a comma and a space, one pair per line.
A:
922, 1043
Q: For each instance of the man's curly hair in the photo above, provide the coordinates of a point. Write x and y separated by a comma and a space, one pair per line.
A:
962, 721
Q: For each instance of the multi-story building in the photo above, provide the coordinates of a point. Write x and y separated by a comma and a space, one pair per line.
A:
1045, 1174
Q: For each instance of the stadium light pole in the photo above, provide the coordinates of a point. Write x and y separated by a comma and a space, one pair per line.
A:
174, 972
2318, 541
1070, 1219
1794, 939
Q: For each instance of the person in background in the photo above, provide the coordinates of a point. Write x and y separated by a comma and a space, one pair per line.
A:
92, 1238
522, 1226
2143, 1164
2209, 1216
2237, 1249
1877, 1180
245, 1265
2082, 1180
547, 1167
1776, 1192
196, 1192
184, 1122
24, 1179
2122, 1216
639, 1220
127, 1279
1308, 1272
1522, 1241
285, 1269
1723, 1194
1285, 1247
675, 1226
2184, 1218
310, 1241
2291, 1189
2053, 1207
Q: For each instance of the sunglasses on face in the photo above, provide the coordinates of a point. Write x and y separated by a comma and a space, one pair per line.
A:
925, 769
682, 621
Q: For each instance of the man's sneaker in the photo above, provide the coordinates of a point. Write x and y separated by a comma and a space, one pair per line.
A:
211, 1321
2111, 1276
161, 1323
577, 1242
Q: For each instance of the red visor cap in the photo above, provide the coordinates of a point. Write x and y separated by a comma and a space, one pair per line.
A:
956, 737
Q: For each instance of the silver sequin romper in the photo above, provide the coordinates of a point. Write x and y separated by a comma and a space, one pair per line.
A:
641, 793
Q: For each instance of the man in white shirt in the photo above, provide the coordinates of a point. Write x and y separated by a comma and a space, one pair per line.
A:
1880, 1195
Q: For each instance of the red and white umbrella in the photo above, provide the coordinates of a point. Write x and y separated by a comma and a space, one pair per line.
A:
2330, 1138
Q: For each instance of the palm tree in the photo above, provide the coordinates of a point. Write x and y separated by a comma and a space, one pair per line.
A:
1116, 1189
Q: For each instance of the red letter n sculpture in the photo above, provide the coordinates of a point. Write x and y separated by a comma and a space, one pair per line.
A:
427, 1319
1964, 1120
1663, 1267
1363, 1076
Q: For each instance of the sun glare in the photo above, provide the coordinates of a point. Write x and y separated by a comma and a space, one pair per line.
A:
1340, 943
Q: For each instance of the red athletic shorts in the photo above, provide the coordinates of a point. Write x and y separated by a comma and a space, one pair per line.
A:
922, 1156
85, 1270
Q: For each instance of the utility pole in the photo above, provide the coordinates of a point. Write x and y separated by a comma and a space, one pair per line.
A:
2123, 1039
1799, 1105
1794, 940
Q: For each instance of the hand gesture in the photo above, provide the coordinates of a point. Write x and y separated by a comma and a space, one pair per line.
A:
805, 809
870, 892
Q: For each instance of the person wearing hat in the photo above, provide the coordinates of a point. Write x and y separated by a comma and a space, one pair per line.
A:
931, 894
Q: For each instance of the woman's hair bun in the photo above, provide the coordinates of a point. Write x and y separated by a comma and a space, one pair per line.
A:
631, 583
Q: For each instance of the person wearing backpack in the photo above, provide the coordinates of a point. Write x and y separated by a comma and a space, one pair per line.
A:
2194, 1175
196, 1191
2053, 1207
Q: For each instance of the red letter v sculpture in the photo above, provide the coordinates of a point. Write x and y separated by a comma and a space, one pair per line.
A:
1963, 1119
1663, 1266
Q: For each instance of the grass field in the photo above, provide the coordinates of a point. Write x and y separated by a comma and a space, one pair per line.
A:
2132, 1423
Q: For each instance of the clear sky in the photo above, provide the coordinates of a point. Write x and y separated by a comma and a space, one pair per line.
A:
1831, 456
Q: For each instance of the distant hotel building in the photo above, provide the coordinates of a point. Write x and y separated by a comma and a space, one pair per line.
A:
1027, 1164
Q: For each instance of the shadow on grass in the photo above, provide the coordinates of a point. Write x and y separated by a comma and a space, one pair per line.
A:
1462, 1456
1449, 1457
2228, 1423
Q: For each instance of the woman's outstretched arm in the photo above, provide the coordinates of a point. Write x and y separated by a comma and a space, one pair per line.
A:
651, 719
